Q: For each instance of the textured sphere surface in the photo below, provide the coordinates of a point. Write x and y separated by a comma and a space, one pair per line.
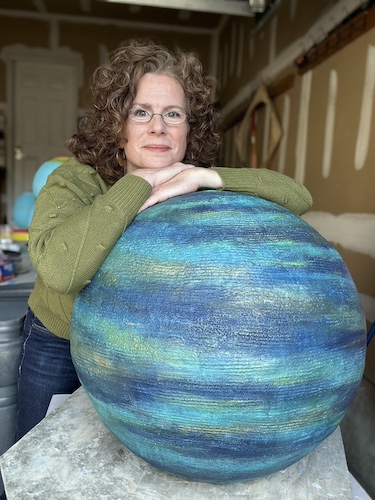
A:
222, 339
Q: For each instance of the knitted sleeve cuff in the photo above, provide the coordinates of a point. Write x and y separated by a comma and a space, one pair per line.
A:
267, 184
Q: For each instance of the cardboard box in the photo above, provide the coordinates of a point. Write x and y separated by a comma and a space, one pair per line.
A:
7, 270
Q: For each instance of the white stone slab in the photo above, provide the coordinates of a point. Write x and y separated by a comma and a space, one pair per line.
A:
71, 455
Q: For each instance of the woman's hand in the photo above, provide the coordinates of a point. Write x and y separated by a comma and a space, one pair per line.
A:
176, 180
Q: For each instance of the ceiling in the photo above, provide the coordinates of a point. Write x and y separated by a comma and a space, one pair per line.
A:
205, 14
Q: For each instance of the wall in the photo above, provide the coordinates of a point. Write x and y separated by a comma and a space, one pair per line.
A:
327, 119
92, 40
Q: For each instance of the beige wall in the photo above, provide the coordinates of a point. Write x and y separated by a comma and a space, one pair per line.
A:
327, 117
88, 40
29, 32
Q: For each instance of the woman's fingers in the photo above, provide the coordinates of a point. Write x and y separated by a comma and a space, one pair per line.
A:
187, 181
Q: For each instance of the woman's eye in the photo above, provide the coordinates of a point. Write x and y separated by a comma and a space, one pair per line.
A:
173, 114
140, 112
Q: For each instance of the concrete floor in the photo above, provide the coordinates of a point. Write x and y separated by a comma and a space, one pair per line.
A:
358, 433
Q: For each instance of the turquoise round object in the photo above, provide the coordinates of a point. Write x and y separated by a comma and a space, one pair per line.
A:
41, 175
222, 339
23, 210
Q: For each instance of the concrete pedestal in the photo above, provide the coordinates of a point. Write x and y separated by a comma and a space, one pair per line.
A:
71, 455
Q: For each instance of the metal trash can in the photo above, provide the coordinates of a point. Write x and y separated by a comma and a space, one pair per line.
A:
8, 414
10, 344
13, 307
8, 410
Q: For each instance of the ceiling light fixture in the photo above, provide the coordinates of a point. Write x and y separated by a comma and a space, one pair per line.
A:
229, 7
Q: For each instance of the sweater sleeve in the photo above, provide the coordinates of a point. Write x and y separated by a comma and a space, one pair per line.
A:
77, 221
269, 185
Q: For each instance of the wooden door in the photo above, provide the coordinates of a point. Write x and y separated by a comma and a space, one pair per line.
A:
45, 116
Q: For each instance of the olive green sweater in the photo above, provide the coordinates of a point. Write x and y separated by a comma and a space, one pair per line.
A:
78, 219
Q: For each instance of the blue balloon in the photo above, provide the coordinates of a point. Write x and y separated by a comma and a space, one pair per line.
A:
23, 210
40, 178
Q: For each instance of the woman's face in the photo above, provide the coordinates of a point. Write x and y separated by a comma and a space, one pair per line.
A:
155, 144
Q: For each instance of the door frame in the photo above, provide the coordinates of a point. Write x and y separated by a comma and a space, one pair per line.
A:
10, 55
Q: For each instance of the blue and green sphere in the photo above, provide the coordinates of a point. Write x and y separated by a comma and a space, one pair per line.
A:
43, 172
23, 210
222, 339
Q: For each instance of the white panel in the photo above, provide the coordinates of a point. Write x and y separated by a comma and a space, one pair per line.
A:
302, 133
352, 231
226, 64
266, 133
368, 304
330, 124
285, 119
233, 49
241, 39
365, 120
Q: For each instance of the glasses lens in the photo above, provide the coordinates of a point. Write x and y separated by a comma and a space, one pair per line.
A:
174, 118
140, 116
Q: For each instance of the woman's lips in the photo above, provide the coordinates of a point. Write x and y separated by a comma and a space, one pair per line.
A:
157, 148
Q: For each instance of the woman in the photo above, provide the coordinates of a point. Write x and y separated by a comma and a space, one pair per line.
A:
149, 137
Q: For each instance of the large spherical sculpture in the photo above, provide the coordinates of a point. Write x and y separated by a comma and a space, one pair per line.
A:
222, 339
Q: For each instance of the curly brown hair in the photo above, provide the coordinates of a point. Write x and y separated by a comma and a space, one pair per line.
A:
114, 87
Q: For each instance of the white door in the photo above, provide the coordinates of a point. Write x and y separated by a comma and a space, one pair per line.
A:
45, 115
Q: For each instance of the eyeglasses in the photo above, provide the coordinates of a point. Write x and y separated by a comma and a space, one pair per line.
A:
171, 118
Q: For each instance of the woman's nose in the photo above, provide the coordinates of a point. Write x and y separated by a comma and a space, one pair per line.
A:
157, 124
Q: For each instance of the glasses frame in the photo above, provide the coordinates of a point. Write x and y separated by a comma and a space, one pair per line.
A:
151, 115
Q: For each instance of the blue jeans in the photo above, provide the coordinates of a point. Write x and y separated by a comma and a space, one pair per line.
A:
45, 369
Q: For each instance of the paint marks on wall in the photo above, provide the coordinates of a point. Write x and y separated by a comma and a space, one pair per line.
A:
241, 39
292, 10
330, 124
225, 67
285, 119
251, 47
233, 49
273, 41
234, 159
367, 106
266, 133
103, 53
302, 134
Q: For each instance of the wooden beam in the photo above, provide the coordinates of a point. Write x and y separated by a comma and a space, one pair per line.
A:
338, 38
